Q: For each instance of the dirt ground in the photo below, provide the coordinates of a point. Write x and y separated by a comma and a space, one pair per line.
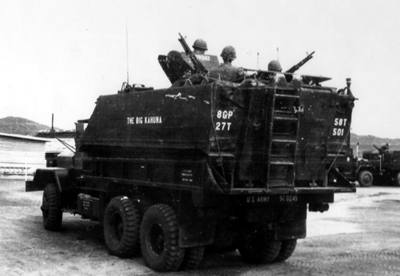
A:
359, 235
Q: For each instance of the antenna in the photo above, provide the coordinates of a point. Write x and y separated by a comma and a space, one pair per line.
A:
127, 51
52, 126
277, 53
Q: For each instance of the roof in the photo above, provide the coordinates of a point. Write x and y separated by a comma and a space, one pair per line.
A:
24, 137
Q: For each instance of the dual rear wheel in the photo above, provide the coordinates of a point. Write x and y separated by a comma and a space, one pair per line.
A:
159, 240
122, 227
156, 235
257, 247
287, 249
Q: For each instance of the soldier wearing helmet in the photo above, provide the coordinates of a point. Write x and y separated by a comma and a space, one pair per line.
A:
226, 71
274, 66
385, 148
199, 46
228, 54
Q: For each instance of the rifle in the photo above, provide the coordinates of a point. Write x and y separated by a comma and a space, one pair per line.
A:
301, 63
198, 66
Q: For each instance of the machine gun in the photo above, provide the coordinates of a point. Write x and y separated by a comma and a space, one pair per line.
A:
382, 149
301, 63
198, 66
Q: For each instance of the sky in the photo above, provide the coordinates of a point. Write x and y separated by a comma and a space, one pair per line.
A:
58, 57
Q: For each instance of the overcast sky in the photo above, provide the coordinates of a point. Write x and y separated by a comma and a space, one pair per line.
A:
59, 56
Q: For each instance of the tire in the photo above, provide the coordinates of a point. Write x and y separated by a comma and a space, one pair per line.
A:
396, 179
51, 208
257, 248
159, 239
193, 257
287, 249
122, 227
365, 178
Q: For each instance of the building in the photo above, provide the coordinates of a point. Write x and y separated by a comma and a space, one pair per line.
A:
21, 154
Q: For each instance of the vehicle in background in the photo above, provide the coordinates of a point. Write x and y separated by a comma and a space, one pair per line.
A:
381, 168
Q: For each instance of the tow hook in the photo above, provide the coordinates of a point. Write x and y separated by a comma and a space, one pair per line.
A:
318, 207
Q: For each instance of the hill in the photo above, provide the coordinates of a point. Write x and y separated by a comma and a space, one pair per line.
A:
21, 126
367, 142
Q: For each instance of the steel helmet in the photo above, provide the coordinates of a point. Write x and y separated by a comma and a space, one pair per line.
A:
228, 53
274, 65
200, 44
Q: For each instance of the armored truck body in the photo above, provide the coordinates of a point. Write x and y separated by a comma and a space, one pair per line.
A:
207, 163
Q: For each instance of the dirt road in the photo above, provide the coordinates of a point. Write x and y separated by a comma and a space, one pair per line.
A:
359, 235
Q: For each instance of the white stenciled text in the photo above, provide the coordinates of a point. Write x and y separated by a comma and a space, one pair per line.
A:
339, 129
224, 115
144, 120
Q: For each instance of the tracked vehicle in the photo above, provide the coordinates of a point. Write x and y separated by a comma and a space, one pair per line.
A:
205, 162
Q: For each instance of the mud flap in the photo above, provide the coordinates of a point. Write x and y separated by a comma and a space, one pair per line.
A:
293, 228
200, 231
196, 224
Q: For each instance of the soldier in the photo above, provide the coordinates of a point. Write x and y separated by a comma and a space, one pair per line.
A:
274, 66
228, 55
199, 46
385, 148
279, 78
226, 71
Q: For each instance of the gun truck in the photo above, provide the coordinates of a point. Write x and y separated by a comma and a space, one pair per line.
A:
168, 172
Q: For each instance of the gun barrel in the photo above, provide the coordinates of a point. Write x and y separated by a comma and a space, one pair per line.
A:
301, 63
184, 44
199, 67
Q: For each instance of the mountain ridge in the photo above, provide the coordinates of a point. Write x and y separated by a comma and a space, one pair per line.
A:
367, 142
21, 126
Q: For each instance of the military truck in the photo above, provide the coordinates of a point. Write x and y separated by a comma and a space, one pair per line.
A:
205, 162
383, 166
352, 167
374, 168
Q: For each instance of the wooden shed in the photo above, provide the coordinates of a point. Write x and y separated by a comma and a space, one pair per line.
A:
21, 154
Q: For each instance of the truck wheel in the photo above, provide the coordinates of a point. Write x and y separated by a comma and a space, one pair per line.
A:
51, 208
259, 249
193, 257
287, 249
365, 178
396, 180
159, 239
121, 227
